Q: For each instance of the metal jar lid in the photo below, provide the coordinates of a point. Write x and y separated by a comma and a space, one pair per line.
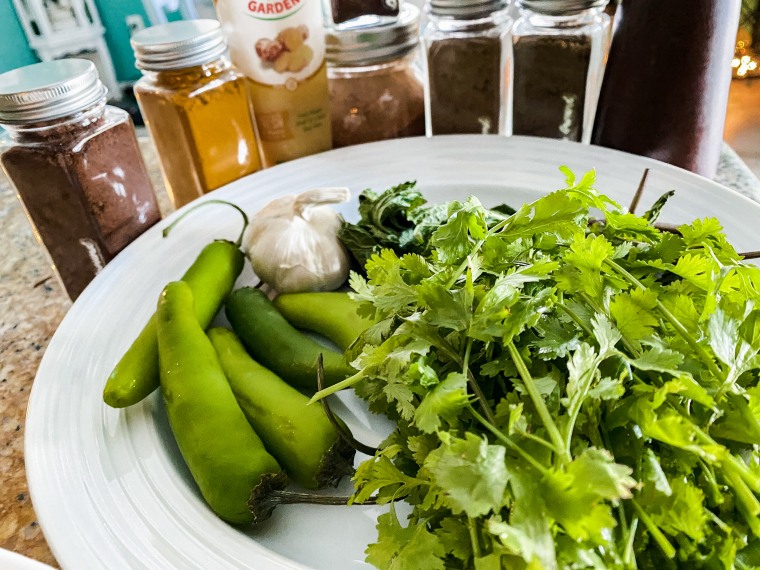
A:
49, 90
177, 45
374, 40
561, 7
465, 8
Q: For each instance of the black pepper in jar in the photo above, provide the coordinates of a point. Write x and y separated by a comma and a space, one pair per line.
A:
345, 10
550, 75
559, 49
465, 77
467, 51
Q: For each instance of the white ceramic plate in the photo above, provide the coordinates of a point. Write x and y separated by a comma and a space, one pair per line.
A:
14, 561
110, 488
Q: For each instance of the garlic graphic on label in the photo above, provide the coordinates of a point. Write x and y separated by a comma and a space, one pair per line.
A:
292, 243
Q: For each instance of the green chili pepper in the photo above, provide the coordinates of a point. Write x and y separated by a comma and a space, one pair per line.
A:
225, 456
275, 343
298, 435
211, 278
332, 314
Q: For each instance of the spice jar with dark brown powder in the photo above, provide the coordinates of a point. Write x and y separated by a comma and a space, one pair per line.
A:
342, 11
467, 50
559, 49
376, 86
76, 166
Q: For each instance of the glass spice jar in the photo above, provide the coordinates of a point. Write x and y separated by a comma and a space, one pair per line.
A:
467, 52
196, 107
376, 88
559, 50
76, 166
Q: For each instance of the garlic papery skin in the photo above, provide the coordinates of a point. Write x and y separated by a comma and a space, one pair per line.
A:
292, 243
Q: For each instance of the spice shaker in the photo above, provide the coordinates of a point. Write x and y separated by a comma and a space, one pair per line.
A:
559, 50
280, 46
76, 166
376, 86
666, 84
196, 107
467, 50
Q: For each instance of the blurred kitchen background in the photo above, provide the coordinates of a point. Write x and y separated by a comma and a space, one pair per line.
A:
39, 30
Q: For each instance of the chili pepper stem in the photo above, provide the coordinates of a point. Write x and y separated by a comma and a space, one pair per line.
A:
182, 216
270, 493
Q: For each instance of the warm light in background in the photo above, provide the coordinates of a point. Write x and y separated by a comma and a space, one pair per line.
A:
745, 63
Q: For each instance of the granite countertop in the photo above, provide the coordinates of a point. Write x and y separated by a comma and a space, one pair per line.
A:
32, 304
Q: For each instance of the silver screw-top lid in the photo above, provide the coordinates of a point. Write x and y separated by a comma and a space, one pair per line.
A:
178, 45
465, 8
561, 7
374, 40
49, 90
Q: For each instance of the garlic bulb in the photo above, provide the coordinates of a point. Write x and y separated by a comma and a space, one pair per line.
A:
293, 244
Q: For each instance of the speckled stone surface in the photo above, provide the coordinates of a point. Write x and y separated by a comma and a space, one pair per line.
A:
32, 305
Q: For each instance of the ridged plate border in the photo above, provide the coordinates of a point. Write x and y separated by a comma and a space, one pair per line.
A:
109, 487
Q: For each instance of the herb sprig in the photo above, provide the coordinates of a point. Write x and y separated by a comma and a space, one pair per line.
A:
568, 393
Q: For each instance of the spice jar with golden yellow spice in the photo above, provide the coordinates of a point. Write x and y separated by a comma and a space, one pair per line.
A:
280, 46
196, 107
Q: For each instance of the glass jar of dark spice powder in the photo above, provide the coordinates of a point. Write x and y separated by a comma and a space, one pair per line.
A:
376, 86
76, 166
467, 51
559, 50
196, 107
343, 11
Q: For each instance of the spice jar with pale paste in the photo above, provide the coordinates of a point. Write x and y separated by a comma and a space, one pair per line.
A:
76, 166
196, 107
376, 86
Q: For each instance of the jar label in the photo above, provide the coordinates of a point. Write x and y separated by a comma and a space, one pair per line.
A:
275, 42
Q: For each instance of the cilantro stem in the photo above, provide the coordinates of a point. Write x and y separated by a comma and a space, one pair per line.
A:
639, 192
473, 526
539, 440
509, 443
674, 322
463, 266
473, 383
538, 402
743, 493
654, 530
342, 385
576, 319
629, 555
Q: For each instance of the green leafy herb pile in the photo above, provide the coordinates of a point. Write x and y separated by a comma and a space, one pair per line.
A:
571, 390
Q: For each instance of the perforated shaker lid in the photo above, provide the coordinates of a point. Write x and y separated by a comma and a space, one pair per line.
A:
376, 40
561, 7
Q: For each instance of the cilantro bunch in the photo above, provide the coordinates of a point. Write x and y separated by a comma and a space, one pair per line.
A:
569, 390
